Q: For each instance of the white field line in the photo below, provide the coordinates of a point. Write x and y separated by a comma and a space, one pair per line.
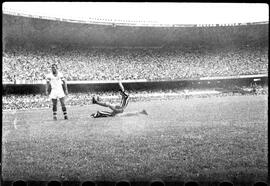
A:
15, 123
4, 140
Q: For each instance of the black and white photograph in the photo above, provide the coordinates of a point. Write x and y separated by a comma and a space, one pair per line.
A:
153, 92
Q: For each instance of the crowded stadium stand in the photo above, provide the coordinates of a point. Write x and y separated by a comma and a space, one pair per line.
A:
95, 50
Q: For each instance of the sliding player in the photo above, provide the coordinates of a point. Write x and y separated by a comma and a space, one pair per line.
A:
117, 110
57, 88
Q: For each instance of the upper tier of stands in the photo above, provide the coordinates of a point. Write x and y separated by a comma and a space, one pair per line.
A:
129, 64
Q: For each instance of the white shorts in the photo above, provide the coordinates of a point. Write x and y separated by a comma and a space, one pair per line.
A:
57, 94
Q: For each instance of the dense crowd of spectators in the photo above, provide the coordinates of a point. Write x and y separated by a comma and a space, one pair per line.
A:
137, 63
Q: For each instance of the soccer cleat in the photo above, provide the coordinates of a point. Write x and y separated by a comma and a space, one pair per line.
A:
144, 112
66, 117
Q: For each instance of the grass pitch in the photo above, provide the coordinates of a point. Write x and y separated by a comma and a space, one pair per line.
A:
199, 139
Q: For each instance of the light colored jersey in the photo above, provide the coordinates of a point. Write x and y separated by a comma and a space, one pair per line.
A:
56, 85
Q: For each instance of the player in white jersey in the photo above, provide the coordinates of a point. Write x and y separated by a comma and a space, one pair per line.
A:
57, 88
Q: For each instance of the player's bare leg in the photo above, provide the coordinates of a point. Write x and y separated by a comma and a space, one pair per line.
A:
96, 100
116, 108
125, 96
121, 86
64, 109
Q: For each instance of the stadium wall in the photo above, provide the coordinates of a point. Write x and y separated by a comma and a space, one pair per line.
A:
84, 87
18, 30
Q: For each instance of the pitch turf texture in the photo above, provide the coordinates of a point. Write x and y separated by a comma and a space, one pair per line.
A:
199, 139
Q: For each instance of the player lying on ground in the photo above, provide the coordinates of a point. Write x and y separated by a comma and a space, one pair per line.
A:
116, 109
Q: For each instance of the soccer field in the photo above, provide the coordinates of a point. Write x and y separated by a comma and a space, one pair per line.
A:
199, 139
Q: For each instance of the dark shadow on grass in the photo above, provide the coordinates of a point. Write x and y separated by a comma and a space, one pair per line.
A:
175, 183
19, 183
54, 183
260, 184
36, 183
71, 183
122, 183
6, 183
191, 183
88, 183
226, 184
157, 183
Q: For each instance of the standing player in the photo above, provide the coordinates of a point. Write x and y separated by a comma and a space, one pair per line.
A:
116, 109
57, 88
